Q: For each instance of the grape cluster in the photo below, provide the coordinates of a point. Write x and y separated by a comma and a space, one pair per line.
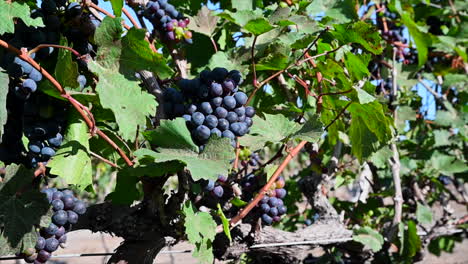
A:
66, 208
271, 205
168, 21
252, 160
395, 30
80, 28
24, 78
212, 105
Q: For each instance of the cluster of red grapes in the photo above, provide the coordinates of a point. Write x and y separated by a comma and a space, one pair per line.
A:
169, 22
212, 105
271, 206
66, 209
215, 188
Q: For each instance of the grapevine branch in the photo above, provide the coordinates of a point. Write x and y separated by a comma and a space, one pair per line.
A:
41, 46
84, 112
130, 17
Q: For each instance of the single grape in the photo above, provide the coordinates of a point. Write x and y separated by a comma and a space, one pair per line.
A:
216, 131
276, 218
72, 217
229, 102
49, 193
202, 132
60, 232
236, 76
220, 74
211, 121
282, 210
35, 75
30, 85
187, 118
209, 185
218, 191
248, 121
35, 147
60, 218
57, 195
223, 124
221, 112
232, 117
241, 98
217, 101
57, 205
273, 211
81, 81
63, 239
235, 128
249, 111
280, 193
206, 108
43, 256
267, 219
265, 208
280, 183
198, 118
47, 152
68, 201
228, 134
40, 243
308, 222
216, 89
228, 86
191, 109
68, 192
265, 199
80, 207
56, 141
170, 35
51, 244
273, 202
240, 111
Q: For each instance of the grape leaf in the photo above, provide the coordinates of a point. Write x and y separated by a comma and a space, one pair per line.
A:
369, 238
201, 231
125, 191
204, 22
359, 32
72, 161
225, 222
21, 210
176, 145
422, 39
412, 242
117, 6
125, 98
423, 214
3, 97
258, 26
66, 70
446, 164
11, 10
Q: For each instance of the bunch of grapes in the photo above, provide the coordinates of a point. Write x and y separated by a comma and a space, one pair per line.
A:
67, 209
212, 105
24, 78
395, 30
79, 28
252, 160
169, 22
271, 206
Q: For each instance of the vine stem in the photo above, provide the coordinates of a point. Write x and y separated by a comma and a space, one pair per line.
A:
91, 4
236, 161
83, 111
103, 159
214, 44
130, 17
267, 186
41, 46
252, 53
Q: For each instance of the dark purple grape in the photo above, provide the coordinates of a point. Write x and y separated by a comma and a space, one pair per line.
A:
216, 89
35, 75
222, 178
187, 118
280, 193
241, 98
35, 147
202, 132
57, 205
223, 124
30, 85
273, 211
249, 111
229, 102
60, 232
60, 218
221, 112
205, 107
282, 209
80, 207
232, 117
308, 222
228, 134
51, 230
56, 141
265, 199
265, 207
235, 128
218, 191
40, 243
47, 152
170, 35
267, 219
63, 239
236, 76
217, 101
51, 244
49, 193
191, 109
276, 218
273, 202
248, 121
57, 195
209, 185
43, 256
219, 74
240, 111
211, 121
217, 132
228, 86
68, 201
198, 118
72, 217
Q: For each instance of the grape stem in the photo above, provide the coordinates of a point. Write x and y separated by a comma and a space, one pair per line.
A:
41, 46
236, 161
82, 110
252, 52
214, 44
103, 159
130, 17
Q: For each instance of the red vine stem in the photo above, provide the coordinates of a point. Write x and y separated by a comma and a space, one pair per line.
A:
252, 53
236, 161
214, 44
103, 159
84, 113
91, 4
130, 17
41, 46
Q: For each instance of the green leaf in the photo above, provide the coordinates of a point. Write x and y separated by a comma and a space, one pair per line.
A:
423, 214
9, 11
369, 238
72, 161
3, 98
404, 113
361, 33
368, 126
412, 242
125, 191
66, 70
172, 134
242, 4
201, 231
422, 39
238, 202
442, 138
225, 222
130, 105
258, 26
340, 11
204, 22
357, 65
380, 158
21, 210
117, 6
446, 164
214, 160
